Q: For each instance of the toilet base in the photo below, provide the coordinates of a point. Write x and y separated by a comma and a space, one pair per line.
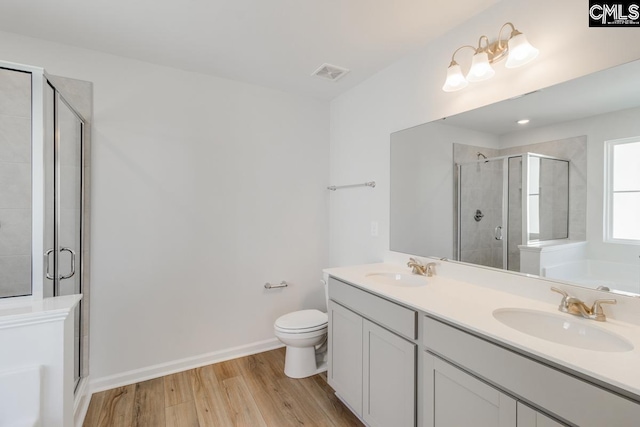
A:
302, 362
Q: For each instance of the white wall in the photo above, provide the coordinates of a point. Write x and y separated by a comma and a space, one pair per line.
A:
203, 189
409, 93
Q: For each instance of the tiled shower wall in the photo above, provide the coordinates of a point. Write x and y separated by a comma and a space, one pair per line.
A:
481, 191
15, 183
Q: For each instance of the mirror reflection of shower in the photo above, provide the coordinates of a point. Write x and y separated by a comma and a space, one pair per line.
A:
509, 217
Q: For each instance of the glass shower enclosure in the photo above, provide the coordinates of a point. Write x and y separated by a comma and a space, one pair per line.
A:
41, 191
495, 216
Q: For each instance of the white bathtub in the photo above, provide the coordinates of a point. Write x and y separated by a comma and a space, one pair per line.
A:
594, 273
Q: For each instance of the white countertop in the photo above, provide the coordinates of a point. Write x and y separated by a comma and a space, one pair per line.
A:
25, 312
471, 307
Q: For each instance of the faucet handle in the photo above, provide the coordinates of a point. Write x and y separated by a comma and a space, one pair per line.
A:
560, 291
564, 304
596, 309
431, 269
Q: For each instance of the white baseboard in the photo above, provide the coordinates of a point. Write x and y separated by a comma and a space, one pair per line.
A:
81, 402
160, 370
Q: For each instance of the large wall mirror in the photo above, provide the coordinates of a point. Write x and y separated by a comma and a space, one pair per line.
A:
532, 184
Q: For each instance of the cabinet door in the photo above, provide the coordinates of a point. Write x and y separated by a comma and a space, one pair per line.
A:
389, 378
528, 417
454, 398
345, 355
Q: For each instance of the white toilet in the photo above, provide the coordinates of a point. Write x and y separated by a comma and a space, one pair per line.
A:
304, 333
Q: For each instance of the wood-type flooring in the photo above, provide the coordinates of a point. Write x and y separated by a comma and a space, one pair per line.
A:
249, 391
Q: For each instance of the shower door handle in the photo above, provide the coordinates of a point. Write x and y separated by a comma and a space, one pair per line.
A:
73, 263
47, 256
497, 233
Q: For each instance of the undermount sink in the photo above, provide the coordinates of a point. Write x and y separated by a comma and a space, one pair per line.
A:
562, 329
398, 279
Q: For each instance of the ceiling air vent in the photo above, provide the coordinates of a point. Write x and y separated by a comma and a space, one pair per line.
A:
330, 72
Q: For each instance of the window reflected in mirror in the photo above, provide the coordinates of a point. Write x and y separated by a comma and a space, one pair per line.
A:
623, 190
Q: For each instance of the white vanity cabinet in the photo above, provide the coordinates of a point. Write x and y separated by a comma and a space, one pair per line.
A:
402, 357
345, 355
458, 367
455, 398
372, 355
529, 417
388, 382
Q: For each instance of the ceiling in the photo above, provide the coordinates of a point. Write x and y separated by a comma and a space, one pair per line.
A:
276, 43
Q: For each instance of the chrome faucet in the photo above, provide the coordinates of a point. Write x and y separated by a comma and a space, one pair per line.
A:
572, 305
423, 270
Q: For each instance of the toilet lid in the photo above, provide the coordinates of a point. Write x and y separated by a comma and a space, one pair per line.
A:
303, 319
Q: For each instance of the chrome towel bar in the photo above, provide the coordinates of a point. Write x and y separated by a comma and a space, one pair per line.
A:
282, 284
371, 184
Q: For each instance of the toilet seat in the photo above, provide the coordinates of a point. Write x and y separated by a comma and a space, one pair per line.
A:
302, 321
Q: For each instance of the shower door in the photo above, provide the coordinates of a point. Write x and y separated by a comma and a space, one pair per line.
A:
505, 202
481, 216
63, 205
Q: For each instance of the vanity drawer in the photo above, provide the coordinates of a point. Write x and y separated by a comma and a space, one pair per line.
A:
562, 394
386, 313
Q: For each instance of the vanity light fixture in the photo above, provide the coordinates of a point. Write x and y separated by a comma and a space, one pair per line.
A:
516, 47
523, 121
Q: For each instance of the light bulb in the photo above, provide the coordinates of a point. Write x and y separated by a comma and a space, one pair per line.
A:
480, 68
520, 51
455, 79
